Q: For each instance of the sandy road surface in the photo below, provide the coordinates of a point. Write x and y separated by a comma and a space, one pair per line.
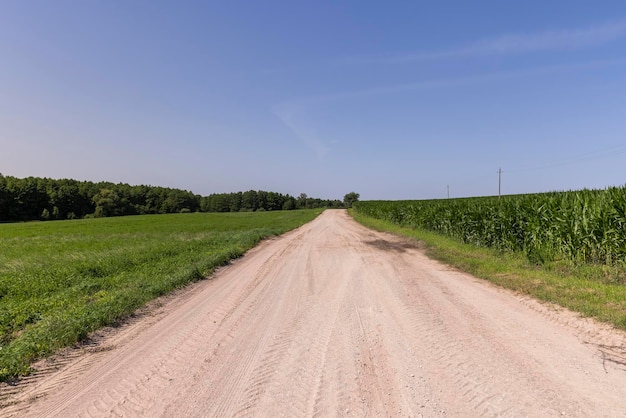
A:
333, 319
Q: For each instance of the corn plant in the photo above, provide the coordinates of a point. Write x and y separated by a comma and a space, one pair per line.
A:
579, 226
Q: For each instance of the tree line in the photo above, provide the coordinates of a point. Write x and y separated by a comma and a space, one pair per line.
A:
252, 200
34, 198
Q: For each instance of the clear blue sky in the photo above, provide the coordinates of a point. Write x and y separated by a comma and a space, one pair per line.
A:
394, 100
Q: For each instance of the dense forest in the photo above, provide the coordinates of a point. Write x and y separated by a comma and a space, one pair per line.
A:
36, 198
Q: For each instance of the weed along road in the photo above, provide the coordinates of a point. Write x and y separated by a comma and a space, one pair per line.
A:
333, 319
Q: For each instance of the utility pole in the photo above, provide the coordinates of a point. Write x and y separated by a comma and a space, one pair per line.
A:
448, 191
499, 182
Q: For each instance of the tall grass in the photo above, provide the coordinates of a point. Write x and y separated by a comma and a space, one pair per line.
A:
586, 226
61, 280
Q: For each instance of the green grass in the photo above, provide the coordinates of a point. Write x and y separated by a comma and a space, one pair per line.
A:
61, 280
594, 290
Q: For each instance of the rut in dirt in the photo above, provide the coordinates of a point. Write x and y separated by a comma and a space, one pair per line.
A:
333, 319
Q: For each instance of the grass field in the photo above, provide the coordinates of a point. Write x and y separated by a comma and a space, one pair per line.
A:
61, 280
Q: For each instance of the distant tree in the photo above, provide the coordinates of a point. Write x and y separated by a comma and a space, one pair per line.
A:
302, 201
176, 200
43, 198
219, 202
290, 204
336, 204
249, 200
274, 201
235, 201
84, 201
205, 204
350, 198
154, 199
108, 203
63, 195
30, 198
262, 199
6, 200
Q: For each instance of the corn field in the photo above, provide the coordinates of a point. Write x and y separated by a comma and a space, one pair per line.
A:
580, 226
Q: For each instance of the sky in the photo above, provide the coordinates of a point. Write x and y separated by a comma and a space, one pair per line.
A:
392, 100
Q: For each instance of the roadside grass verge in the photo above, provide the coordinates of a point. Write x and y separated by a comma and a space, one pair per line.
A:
592, 290
61, 280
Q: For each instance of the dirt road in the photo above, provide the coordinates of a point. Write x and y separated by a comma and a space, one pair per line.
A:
333, 319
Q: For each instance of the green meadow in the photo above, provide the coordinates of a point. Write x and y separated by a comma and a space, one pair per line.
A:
61, 280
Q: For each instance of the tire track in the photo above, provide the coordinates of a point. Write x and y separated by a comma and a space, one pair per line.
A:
464, 354
238, 347
166, 349
293, 389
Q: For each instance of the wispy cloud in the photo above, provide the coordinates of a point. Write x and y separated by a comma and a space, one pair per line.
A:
294, 115
553, 40
301, 104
